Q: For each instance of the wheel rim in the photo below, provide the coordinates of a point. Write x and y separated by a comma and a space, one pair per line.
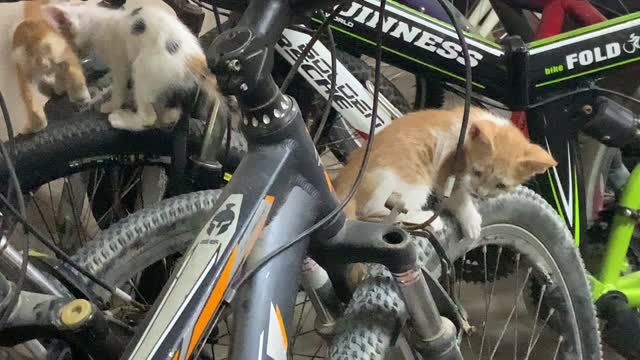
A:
537, 285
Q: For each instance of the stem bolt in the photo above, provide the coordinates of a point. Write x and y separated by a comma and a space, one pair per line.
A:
587, 109
244, 87
234, 65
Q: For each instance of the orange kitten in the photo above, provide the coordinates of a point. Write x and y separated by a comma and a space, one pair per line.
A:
414, 157
44, 57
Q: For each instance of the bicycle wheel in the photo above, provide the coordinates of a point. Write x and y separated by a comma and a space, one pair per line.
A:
81, 175
524, 265
149, 242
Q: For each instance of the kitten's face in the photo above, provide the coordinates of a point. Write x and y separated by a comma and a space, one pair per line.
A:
499, 158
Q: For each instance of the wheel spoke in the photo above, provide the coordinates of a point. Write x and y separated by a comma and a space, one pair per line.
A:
515, 292
299, 324
82, 236
535, 321
44, 219
135, 289
544, 324
96, 183
560, 340
493, 288
513, 310
315, 354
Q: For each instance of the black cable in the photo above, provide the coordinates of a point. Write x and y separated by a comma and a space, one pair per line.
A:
54, 248
458, 161
20, 199
616, 93
216, 15
9, 126
365, 160
294, 68
332, 90
580, 91
302, 29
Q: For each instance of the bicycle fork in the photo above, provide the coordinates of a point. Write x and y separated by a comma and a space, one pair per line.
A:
434, 335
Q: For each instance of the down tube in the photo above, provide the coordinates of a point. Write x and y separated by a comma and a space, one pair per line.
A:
191, 301
263, 308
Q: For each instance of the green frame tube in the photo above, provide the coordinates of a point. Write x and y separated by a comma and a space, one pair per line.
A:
615, 260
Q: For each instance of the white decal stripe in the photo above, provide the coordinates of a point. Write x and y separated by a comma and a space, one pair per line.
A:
586, 36
422, 21
275, 342
201, 256
260, 345
344, 80
560, 188
570, 175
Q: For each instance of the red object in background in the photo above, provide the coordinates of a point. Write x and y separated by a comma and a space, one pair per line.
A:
555, 11
553, 15
519, 119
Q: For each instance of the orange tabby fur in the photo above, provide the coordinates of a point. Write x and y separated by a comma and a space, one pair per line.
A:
44, 57
419, 148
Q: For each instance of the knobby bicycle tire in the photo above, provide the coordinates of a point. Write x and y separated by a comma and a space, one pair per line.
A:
376, 309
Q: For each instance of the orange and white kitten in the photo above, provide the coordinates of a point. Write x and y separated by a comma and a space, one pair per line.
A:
414, 156
44, 57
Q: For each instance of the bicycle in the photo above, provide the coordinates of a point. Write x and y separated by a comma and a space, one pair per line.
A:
253, 205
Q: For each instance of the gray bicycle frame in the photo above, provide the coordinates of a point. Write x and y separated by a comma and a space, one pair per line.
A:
278, 192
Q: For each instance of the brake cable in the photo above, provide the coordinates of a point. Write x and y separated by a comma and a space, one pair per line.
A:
15, 185
365, 159
458, 156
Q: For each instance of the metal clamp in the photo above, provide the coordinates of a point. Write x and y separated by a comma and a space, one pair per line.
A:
630, 213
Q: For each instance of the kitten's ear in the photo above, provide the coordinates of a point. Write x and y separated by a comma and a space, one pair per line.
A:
536, 160
481, 133
60, 19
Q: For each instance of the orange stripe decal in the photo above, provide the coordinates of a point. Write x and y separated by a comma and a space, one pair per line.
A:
212, 303
176, 356
329, 184
282, 329
270, 198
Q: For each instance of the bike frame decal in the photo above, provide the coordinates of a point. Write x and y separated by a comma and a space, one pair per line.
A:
555, 196
417, 43
211, 305
352, 100
277, 343
214, 257
609, 47
444, 24
566, 197
204, 254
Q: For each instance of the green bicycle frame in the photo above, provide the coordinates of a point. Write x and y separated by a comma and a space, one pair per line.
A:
615, 260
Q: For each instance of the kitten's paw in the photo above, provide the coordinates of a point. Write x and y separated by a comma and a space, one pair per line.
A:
81, 97
471, 225
38, 121
123, 119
